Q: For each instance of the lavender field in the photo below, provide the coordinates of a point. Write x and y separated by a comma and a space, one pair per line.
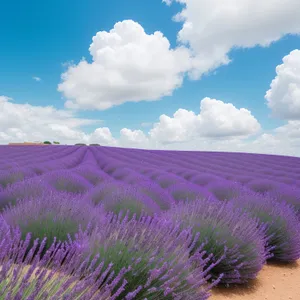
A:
83, 222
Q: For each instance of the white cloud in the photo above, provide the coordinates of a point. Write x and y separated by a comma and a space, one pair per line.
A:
36, 78
265, 143
283, 97
218, 127
133, 138
290, 130
213, 27
128, 65
25, 122
102, 136
215, 120
280, 141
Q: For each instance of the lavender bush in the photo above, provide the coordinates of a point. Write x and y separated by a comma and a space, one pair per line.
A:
288, 194
53, 215
160, 196
156, 254
229, 234
92, 174
11, 176
165, 180
261, 185
58, 274
224, 189
186, 191
30, 188
67, 182
116, 197
283, 226
203, 179
121, 173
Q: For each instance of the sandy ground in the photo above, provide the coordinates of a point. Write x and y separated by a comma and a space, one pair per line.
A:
274, 282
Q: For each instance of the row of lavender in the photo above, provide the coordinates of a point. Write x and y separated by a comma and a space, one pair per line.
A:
227, 242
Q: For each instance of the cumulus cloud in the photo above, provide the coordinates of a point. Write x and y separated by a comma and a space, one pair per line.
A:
103, 136
282, 140
25, 122
36, 78
215, 120
213, 27
218, 127
128, 65
266, 143
290, 130
134, 138
283, 97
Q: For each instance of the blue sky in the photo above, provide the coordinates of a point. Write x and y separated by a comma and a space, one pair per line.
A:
38, 39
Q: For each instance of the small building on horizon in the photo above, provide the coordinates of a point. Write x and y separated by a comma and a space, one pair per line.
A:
26, 144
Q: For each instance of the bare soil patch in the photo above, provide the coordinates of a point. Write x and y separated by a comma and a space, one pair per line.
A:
276, 281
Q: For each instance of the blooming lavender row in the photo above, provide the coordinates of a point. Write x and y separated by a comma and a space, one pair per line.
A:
237, 229
123, 259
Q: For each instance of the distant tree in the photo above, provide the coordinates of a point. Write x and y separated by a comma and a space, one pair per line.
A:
80, 144
56, 143
94, 145
47, 142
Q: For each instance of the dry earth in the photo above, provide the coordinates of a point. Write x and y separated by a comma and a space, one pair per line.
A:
274, 282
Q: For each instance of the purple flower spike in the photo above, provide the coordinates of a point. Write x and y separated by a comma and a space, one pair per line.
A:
280, 219
237, 245
155, 253
53, 215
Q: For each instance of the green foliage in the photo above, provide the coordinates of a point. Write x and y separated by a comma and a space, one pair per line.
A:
47, 142
49, 227
127, 204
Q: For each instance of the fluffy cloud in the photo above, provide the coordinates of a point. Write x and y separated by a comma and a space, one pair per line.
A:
218, 127
213, 27
102, 136
290, 130
283, 97
36, 78
215, 120
134, 138
266, 143
128, 65
25, 122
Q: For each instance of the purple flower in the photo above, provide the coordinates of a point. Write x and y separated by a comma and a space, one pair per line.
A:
262, 185
51, 276
30, 188
11, 176
155, 253
159, 195
231, 236
116, 197
282, 224
204, 179
186, 191
224, 189
53, 215
288, 194
67, 181
167, 179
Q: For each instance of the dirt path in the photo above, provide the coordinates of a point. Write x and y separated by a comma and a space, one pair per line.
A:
274, 282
